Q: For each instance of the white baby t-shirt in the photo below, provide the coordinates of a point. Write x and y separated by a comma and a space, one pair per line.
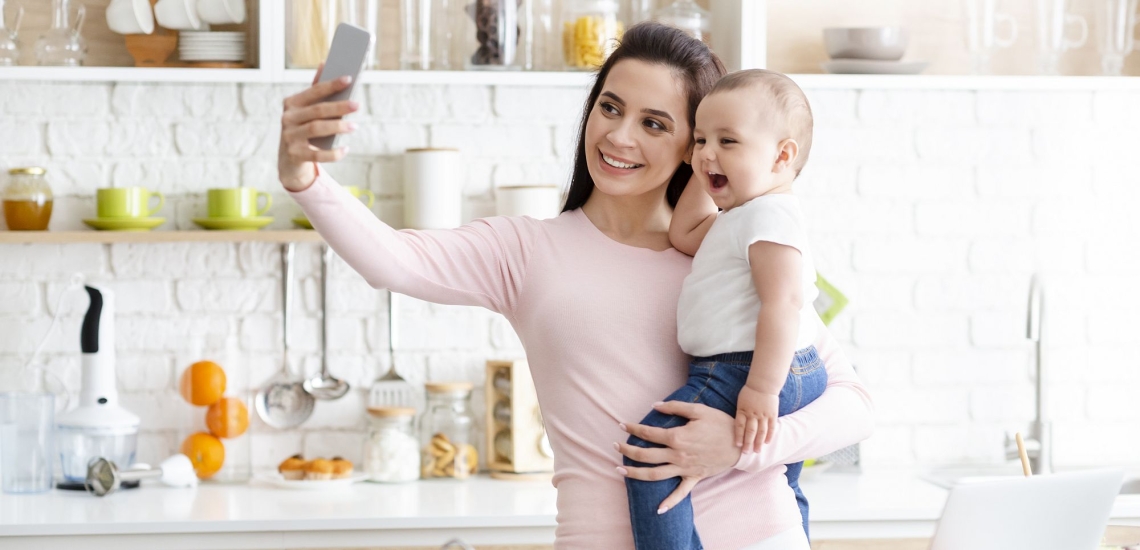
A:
718, 306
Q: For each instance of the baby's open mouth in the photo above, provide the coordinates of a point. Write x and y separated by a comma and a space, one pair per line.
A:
718, 181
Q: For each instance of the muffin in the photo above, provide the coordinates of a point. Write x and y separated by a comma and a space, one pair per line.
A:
293, 468
341, 468
319, 470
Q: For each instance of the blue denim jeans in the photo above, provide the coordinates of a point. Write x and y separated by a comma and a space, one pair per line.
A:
714, 381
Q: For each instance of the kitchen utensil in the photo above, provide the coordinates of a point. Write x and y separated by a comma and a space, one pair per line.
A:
283, 401
1024, 456
27, 441
516, 437
124, 224
1116, 22
178, 15
880, 43
151, 50
9, 48
97, 426
1053, 22
432, 196
63, 44
392, 390
127, 202
325, 386
130, 16
104, 477
982, 19
222, 12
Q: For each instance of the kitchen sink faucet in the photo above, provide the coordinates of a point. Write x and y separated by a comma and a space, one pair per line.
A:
1039, 444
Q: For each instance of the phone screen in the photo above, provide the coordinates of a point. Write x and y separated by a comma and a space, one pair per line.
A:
349, 50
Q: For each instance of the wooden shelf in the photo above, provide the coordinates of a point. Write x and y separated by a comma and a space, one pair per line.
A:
106, 237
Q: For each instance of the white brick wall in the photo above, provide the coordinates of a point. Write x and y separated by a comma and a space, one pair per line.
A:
929, 209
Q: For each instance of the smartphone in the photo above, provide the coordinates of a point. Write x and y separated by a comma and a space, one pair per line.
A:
349, 50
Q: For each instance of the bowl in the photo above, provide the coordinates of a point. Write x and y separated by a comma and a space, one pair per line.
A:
877, 43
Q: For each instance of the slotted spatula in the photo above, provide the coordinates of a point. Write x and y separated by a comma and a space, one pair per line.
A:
392, 390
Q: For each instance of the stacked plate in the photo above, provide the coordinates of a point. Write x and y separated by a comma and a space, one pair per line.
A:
211, 46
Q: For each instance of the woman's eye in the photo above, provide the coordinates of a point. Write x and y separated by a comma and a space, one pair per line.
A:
654, 125
609, 108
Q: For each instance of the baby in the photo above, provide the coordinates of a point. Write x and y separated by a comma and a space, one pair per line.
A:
745, 312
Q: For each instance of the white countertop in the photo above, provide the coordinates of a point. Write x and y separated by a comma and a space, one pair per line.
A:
480, 510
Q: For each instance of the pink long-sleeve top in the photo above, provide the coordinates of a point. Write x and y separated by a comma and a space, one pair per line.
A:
598, 320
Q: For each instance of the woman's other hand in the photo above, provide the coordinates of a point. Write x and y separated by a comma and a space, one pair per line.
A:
700, 449
306, 116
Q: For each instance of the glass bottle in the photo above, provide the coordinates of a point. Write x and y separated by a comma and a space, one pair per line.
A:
215, 406
590, 31
62, 44
9, 49
447, 432
27, 199
687, 16
392, 450
494, 29
425, 34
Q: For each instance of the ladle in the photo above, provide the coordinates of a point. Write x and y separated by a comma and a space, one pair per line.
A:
325, 386
283, 402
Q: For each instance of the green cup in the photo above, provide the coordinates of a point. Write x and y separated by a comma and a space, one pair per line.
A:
127, 202
364, 195
236, 202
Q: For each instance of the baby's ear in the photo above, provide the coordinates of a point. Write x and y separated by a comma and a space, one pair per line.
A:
786, 153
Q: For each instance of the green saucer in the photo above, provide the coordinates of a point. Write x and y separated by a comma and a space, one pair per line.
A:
252, 223
303, 222
124, 224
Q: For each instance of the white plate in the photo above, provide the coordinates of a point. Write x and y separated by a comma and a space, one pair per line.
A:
869, 66
276, 480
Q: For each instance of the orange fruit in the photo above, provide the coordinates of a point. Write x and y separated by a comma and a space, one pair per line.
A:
227, 418
206, 453
203, 383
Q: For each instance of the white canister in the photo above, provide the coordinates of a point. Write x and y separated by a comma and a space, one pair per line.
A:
433, 192
537, 201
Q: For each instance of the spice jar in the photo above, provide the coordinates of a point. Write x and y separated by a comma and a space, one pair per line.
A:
27, 199
447, 432
494, 29
590, 32
687, 16
392, 451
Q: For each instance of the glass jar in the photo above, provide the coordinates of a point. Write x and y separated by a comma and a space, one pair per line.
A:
9, 48
27, 199
62, 44
392, 451
214, 405
312, 24
590, 32
687, 16
447, 432
494, 30
425, 34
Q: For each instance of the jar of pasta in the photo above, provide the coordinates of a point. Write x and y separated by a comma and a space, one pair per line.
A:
447, 432
392, 450
590, 32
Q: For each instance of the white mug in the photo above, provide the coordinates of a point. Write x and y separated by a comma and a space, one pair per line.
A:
222, 12
178, 14
130, 17
433, 192
537, 201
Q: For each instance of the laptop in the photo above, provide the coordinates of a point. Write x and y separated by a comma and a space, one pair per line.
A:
1066, 511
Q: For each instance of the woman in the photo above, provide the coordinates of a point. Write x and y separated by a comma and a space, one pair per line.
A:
592, 295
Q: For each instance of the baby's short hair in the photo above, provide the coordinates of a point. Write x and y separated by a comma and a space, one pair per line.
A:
794, 111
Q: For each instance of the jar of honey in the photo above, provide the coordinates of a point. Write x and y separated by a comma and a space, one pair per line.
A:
27, 199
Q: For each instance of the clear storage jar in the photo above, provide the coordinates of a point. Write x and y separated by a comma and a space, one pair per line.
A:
392, 450
425, 34
495, 34
447, 432
590, 32
687, 16
27, 199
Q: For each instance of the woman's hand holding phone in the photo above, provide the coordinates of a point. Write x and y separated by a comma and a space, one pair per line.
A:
306, 116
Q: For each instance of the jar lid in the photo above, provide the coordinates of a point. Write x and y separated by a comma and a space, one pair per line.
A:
448, 387
30, 170
384, 412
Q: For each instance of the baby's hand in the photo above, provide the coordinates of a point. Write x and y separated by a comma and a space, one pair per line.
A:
756, 414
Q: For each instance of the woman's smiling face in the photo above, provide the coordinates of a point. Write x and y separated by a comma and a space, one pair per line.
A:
638, 131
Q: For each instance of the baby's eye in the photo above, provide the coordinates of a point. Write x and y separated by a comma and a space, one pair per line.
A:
726, 141
700, 141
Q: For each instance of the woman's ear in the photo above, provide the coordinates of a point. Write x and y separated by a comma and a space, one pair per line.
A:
786, 154
689, 153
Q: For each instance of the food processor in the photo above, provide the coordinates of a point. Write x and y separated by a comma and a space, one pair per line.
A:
98, 426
